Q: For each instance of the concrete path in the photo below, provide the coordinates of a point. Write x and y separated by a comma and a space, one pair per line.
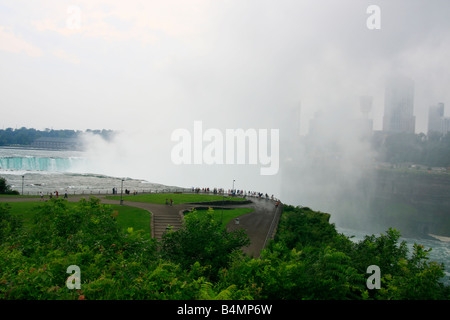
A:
259, 225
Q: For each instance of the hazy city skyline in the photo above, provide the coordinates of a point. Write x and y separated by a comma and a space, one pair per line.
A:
437, 121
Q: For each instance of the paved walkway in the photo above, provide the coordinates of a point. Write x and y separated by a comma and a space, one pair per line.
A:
259, 224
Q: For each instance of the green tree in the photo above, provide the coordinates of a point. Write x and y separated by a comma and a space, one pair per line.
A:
301, 227
202, 260
5, 188
202, 239
34, 261
404, 275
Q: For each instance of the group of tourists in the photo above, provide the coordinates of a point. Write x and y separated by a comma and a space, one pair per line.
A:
114, 191
54, 194
207, 190
238, 192
129, 192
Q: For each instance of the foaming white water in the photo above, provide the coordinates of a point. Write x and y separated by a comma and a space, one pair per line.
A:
36, 182
441, 238
31, 171
147, 155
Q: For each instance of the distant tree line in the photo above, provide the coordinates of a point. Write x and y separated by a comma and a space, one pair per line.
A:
25, 136
432, 150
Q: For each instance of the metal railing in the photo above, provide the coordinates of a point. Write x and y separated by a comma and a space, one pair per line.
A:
107, 192
274, 225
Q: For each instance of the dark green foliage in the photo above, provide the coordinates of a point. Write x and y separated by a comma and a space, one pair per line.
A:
307, 260
302, 263
404, 275
335, 267
383, 251
302, 227
202, 239
65, 227
296, 275
114, 264
9, 224
5, 188
34, 262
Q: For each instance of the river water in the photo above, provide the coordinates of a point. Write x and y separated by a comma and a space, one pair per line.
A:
34, 170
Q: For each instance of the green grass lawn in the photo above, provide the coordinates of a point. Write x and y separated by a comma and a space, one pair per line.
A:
229, 214
160, 198
23, 209
138, 219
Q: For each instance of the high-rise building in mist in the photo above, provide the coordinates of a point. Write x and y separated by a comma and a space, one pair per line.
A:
293, 117
365, 123
399, 106
436, 120
324, 123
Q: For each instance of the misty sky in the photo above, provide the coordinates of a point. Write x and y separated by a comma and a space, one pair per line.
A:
150, 67
142, 63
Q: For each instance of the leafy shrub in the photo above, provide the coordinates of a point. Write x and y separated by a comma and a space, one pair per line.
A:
307, 260
202, 239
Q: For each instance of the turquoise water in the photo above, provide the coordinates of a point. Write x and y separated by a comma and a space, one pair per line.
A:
16, 159
40, 163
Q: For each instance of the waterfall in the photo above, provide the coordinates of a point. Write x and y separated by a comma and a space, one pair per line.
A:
40, 163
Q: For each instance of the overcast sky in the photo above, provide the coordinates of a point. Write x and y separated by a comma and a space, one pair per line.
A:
126, 64
150, 67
